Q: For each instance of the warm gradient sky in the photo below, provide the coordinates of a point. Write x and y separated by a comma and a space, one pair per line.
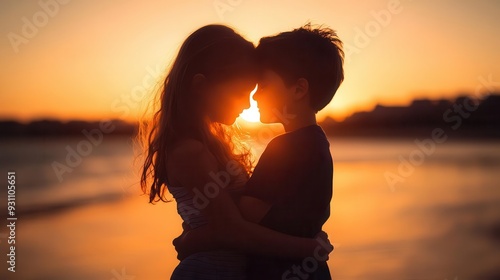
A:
91, 55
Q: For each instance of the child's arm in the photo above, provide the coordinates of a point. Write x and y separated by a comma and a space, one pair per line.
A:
201, 239
228, 228
253, 209
205, 239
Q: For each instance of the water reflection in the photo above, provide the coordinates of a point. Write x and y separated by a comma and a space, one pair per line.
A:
442, 222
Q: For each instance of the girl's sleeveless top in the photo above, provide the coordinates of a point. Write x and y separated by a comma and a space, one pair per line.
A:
212, 265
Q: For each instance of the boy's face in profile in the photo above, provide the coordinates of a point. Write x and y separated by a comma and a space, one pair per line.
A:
273, 97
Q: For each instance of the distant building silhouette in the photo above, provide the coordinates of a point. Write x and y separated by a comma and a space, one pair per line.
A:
483, 120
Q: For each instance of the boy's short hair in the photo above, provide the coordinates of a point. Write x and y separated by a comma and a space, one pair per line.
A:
313, 53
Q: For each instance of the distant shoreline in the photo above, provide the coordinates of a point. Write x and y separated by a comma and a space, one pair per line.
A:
462, 118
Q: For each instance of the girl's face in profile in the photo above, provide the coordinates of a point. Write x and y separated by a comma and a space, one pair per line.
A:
226, 100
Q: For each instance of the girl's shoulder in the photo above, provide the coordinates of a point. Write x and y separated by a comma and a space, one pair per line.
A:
187, 147
191, 156
190, 164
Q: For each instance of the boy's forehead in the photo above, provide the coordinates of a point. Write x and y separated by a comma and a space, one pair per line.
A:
268, 74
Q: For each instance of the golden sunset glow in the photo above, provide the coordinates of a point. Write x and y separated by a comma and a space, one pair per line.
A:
251, 114
91, 60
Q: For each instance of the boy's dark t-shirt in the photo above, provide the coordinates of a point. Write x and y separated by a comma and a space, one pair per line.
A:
294, 175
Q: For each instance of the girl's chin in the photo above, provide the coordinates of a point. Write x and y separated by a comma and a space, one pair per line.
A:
227, 120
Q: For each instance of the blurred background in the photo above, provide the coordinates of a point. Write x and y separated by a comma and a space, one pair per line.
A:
414, 133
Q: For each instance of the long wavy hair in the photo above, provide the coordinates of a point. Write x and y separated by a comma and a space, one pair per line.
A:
220, 54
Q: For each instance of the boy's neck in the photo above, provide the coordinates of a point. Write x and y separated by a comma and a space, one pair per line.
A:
300, 121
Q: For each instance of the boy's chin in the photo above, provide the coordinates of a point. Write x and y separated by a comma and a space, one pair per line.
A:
268, 119
264, 121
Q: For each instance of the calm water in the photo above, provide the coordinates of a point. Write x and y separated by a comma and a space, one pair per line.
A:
439, 219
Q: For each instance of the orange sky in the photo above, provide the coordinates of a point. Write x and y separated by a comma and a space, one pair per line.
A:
97, 59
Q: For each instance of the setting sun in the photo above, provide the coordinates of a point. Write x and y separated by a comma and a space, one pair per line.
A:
251, 114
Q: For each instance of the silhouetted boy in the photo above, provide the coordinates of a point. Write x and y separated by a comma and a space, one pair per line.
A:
291, 187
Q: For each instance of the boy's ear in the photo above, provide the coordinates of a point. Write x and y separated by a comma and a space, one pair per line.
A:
301, 88
197, 82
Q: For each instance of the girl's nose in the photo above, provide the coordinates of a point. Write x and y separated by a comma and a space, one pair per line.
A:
256, 95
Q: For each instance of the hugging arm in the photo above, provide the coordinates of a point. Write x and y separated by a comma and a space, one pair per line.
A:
242, 235
227, 229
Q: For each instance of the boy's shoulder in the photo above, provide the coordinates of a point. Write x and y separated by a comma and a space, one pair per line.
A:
312, 134
298, 144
